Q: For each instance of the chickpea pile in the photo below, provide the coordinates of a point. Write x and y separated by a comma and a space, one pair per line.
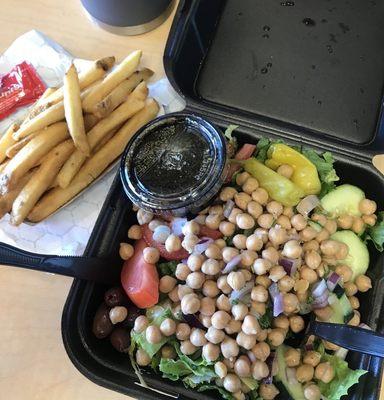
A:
262, 232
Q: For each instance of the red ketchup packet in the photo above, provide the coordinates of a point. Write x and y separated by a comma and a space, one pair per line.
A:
19, 87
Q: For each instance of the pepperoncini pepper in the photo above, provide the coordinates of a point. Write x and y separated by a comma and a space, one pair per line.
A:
304, 172
278, 187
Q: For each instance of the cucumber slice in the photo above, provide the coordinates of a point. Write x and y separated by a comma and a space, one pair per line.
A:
341, 308
343, 200
295, 390
358, 256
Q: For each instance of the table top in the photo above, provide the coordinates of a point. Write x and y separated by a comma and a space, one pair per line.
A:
34, 364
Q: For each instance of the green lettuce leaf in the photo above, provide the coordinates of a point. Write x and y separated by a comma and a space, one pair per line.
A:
376, 233
224, 394
263, 146
265, 320
229, 136
167, 268
252, 383
344, 378
174, 369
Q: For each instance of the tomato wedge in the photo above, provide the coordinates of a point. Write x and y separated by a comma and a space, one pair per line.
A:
174, 256
244, 153
140, 279
211, 233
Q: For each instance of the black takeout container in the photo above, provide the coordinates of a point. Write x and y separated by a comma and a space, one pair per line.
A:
310, 73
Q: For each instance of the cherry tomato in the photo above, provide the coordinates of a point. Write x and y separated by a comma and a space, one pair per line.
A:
140, 279
211, 233
244, 153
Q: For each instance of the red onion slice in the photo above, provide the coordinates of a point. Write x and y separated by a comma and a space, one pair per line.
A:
273, 290
251, 356
238, 295
232, 264
308, 204
228, 208
202, 245
365, 326
290, 265
332, 281
269, 361
177, 225
319, 288
278, 306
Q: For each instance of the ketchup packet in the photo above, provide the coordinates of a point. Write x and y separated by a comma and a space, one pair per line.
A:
20, 87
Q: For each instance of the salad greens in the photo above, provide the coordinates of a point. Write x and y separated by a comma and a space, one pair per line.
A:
167, 268
376, 233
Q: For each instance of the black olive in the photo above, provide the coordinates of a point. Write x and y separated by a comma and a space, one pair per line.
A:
133, 313
102, 325
120, 340
115, 297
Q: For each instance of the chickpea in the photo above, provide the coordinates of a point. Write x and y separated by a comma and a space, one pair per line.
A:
168, 327
227, 228
142, 358
242, 177
182, 331
259, 293
248, 257
157, 222
367, 207
245, 221
182, 271
190, 304
117, 314
323, 314
135, 233
268, 391
350, 289
321, 270
241, 200
298, 222
141, 323
344, 271
250, 325
288, 211
285, 170
290, 302
239, 241
311, 245
355, 321
167, 283
246, 341
214, 335
233, 327
200, 219
227, 193
191, 227
236, 280
254, 243
258, 308
330, 346
275, 208
229, 253
173, 243
281, 321
276, 273
296, 323
312, 358
276, 336
234, 213
355, 303
212, 221
211, 266
168, 352
265, 220
260, 195
254, 209
345, 221
174, 294
126, 251
229, 348
195, 261
303, 297
232, 383
242, 367
260, 370
153, 334
222, 303
183, 290
369, 219
220, 369
205, 320
261, 266
230, 363
213, 251
322, 235
292, 249
261, 351
197, 337
207, 306
304, 373
195, 280
329, 247
324, 372
286, 284
308, 274
358, 225
308, 234
250, 185
284, 222
210, 288
262, 335
247, 274
263, 280
312, 259
187, 348
277, 235
220, 319
239, 311
292, 357
143, 217
161, 233
189, 242
222, 284
363, 283
312, 392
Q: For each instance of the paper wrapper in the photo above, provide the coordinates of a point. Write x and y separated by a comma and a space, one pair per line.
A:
67, 231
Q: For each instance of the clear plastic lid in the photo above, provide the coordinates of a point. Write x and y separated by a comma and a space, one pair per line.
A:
176, 163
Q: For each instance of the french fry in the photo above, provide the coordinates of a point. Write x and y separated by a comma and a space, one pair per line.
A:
95, 165
3, 165
134, 103
86, 78
90, 120
39, 106
7, 141
126, 68
15, 148
7, 200
31, 154
42, 179
73, 111
120, 93
53, 114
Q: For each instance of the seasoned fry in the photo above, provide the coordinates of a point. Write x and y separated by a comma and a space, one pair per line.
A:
53, 114
90, 120
42, 179
120, 93
39, 106
73, 111
54, 199
7, 140
86, 78
15, 148
134, 103
7, 200
31, 154
126, 68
